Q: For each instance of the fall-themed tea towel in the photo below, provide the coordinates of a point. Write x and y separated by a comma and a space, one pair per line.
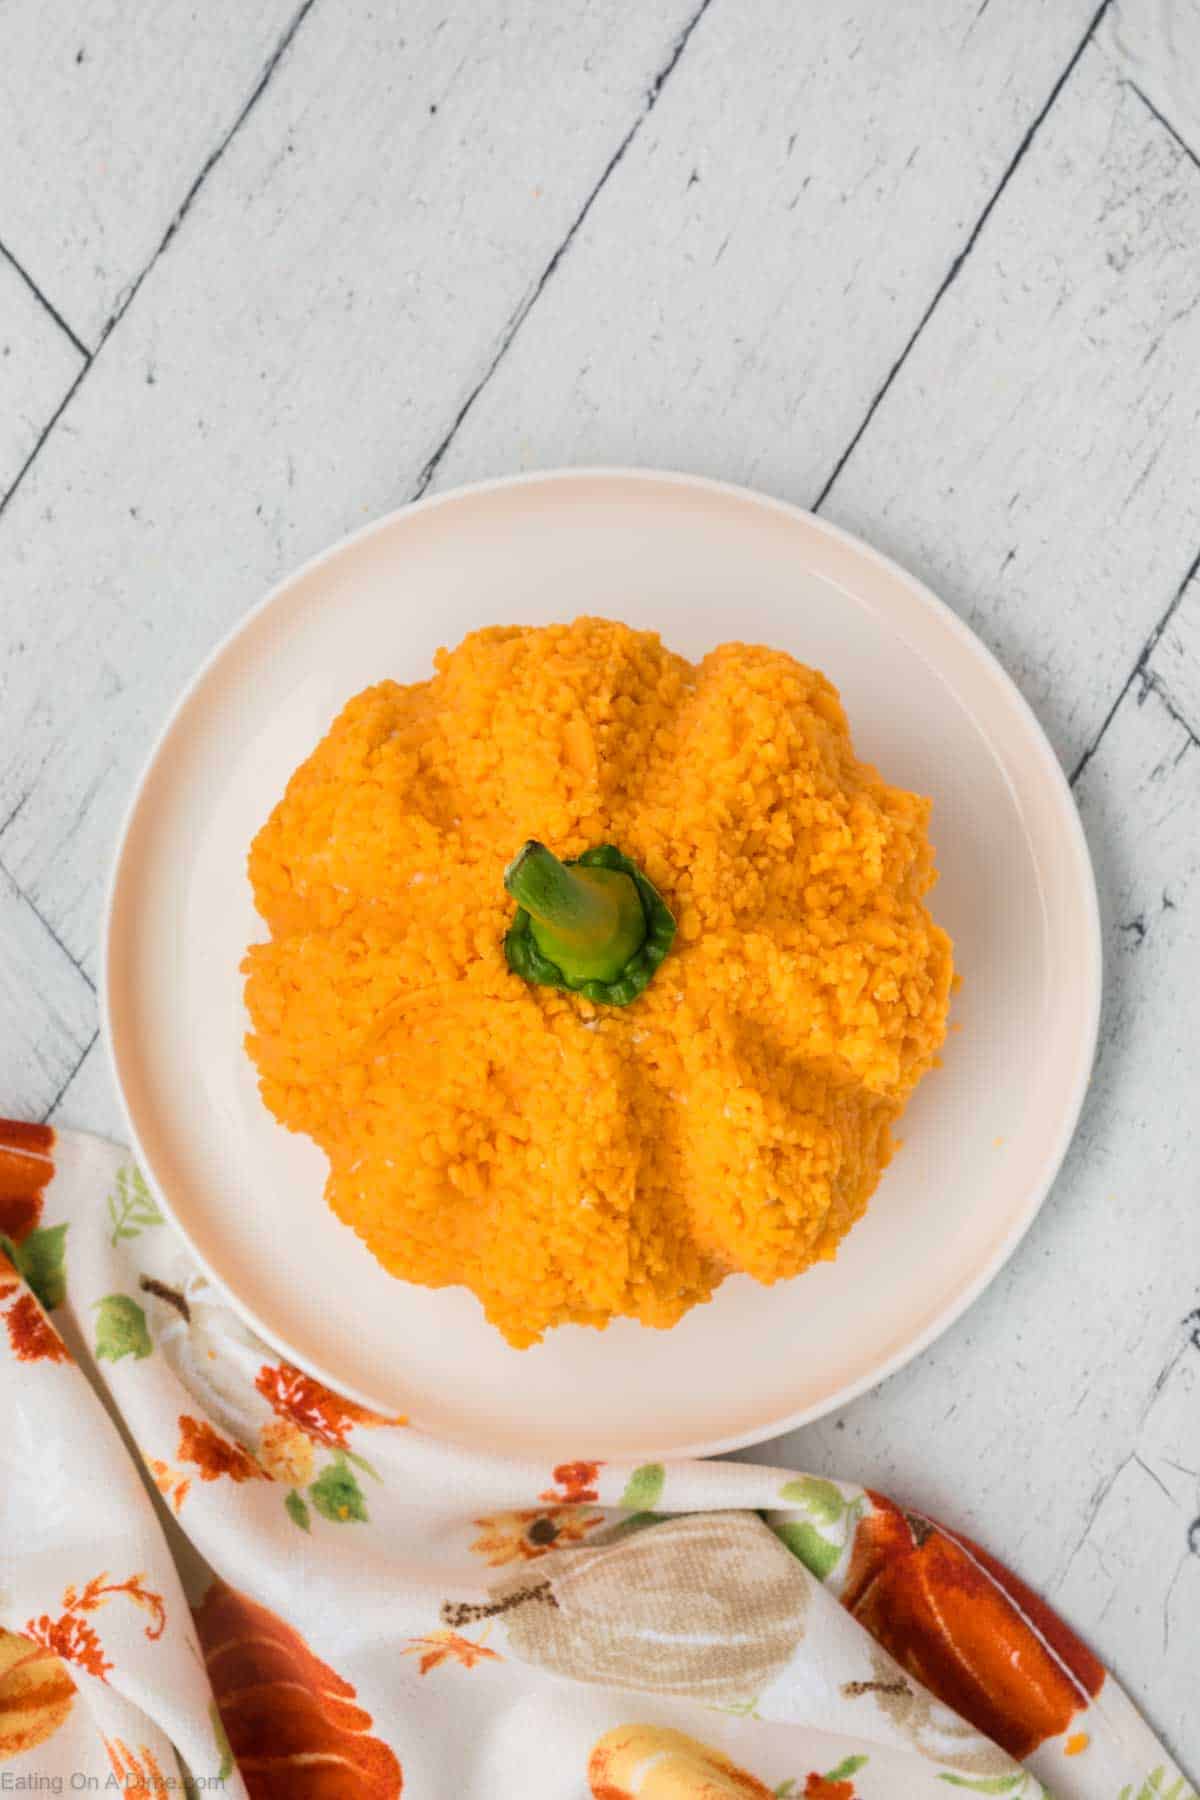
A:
322, 1603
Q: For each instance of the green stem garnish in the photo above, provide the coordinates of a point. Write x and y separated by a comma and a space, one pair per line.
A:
594, 925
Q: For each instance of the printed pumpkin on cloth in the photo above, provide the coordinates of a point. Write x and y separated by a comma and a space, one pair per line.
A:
296, 1597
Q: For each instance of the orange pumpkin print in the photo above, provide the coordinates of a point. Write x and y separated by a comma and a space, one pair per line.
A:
139, 1776
213, 1454
26, 1169
293, 1725
576, 1484
827, 1787
36, 1693
321, 1415
31, 1335
968, 1629
654, 1762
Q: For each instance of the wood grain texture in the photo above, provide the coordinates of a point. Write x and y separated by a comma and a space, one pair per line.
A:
1037, 459
1175, 661
290, 365
47, 1008
107, 113
38, 363
766, 250
1023, 1420
1157, 46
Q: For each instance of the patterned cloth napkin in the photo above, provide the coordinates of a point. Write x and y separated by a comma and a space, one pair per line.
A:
242, 1582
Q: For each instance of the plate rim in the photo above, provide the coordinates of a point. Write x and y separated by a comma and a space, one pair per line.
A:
1075, 842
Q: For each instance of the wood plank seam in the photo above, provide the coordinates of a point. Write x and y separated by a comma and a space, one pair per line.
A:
48, 928
1165, 123
125, 300
1139, 668
57, 1100
526, 306
47, 305
957, 265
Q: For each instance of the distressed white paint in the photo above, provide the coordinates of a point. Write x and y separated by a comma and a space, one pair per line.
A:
90, 1099
1157, 43
343, 281
107, 113
47, 1010
1037, 457
1176, 659
351, 270
769, 245
38, 363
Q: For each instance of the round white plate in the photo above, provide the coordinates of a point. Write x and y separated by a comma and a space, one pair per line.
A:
700, 562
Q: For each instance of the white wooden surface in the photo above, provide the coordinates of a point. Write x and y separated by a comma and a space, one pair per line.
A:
930, 265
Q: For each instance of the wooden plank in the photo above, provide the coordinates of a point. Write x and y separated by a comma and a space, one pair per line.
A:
107, 115
1157, 45
48, 1010
344, 279
89, 1101
768, 247
1022, 1421
1036, 458
1175, 663
38, 363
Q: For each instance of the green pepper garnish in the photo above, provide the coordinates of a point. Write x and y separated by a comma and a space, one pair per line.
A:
594, 924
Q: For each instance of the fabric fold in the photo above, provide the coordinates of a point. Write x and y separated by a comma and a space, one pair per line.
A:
300, 1597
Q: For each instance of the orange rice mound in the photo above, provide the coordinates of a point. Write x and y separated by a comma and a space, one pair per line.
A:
569, 1162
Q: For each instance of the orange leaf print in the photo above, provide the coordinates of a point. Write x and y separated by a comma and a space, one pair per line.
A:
656, 1762
320, 1413
576, 1483
522, 1536
36, 1694
138, 1777
73, 1639
172, 1484
819, 1787
26, 1169
215, 1455
447, 1646
32, 1336
967, 1628
293, 1725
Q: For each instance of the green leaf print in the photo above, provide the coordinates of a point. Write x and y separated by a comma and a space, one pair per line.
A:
849, 1767
643, 1490
806, 1544
131, 1207
987, 1784
297, 1511
337, 1495
40, 1260
121, 1329
225, 1770
786, 1789
1153, 1788
820, 1499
